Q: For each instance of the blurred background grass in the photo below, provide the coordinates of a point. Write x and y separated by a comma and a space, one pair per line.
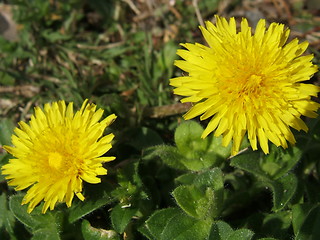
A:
118, 53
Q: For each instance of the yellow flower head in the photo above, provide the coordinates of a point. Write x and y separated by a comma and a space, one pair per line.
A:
56, 151
247, 83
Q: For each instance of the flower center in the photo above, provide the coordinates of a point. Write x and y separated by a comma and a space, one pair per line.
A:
251, 85
55, 160
253, 82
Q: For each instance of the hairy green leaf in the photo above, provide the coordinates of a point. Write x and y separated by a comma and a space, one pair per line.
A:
96, 196
220, 231
183, 227
204, 198
91, 233
40, 224
121, 216
159, 220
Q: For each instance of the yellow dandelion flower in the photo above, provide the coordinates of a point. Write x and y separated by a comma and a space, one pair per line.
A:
247, 83
56, 151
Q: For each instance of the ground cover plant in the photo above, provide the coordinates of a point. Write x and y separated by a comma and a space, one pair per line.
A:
109, 129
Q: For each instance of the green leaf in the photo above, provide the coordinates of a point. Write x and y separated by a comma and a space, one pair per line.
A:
190, 198
267, 238
187, 178
204, 198
215, 146
188, 137
145, 231
167, 58
277, 224
7, 219
91, 233
168, 154
4, 159
212, 179
283, 186
96, 196
192, 152
220, 231
121, 216
190, 145
6, 130
249, 161
198, 153
39, 223
299, 213
310, 227
20, 212
280, 161
159, 219
241, 234
45, 234
272, 166
198, 161
130, 184
283, 190
183, 227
